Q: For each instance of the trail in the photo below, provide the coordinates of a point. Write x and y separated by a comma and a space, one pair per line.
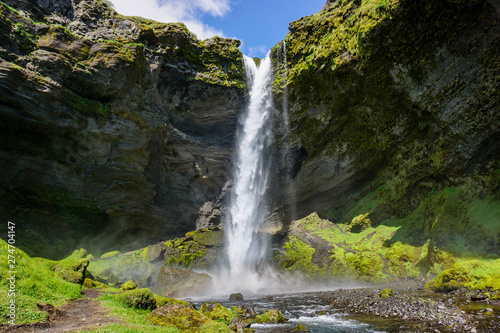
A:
81, 314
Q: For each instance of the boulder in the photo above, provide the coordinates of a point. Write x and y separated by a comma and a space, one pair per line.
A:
236, 297
129, 285
178, 282
185, 319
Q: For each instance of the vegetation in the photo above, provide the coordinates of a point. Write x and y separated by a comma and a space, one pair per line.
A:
36, 280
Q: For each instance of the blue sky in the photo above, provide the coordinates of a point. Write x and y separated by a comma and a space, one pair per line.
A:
259, 24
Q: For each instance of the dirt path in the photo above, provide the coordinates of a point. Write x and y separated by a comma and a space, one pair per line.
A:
81, 314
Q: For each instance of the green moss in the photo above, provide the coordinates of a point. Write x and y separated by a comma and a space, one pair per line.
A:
269, 317
129, 285
473, 274
385, 293
217, 312
185, 319
161, 301
135, 319
402, 260
110, 254
359, 223
298, 257
83, 105
89, 283
35, 281
137, 298
367, 265
120, 268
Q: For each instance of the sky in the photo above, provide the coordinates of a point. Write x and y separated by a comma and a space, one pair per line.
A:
259, 24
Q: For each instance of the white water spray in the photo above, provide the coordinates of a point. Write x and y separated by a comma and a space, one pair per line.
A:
246, 250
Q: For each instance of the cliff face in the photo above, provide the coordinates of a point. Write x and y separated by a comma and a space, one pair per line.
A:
115, 130
394, 106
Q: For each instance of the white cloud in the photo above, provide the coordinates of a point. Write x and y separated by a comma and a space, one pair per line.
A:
186, 11
258, 51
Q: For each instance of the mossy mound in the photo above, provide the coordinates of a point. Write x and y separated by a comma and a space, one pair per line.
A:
89, 283
177, 282
137, 298
35, 281
273, 316
197, 249
129, 285
114, 269
385, 293
325, 250
217, 312
185, 319
161, 301
472, 274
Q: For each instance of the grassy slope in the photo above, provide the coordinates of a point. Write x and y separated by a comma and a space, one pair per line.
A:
35, 282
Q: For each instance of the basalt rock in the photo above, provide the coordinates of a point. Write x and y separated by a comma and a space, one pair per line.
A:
387, 115
114, 130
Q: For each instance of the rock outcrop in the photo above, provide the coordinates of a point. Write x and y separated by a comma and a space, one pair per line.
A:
395, 108
115, 130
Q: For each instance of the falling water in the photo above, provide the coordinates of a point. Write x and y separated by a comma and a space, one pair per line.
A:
246, 250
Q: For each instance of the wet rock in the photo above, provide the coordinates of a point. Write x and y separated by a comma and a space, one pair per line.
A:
177, 282
273, 316
236, 297
240, 323
300, 328
243, 311
478, 297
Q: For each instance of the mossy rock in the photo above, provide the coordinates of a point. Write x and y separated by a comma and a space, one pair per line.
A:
137, 298
385, 293
359, 223
273, 316
472, 274
110, 254
217, 312
177, 282
161, 301
89, 283
300, 328
129, 285
368, 265
209, 237
185, 319
71, 270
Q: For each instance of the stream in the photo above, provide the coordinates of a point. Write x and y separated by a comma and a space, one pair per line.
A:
309, 309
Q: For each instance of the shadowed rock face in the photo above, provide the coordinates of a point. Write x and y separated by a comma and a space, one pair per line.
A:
374, 102
115, 130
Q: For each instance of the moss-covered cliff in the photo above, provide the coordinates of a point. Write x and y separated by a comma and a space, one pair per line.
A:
395, 105
114, 130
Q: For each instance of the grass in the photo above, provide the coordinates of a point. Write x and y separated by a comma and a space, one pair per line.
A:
135, 318
35, 281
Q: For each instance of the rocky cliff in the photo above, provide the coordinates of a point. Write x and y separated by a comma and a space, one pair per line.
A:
394, 108
114, 130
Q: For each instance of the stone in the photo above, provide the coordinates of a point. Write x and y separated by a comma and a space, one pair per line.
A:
129, 285
175, 282
300, 328
96, 94
236, 297
185, 319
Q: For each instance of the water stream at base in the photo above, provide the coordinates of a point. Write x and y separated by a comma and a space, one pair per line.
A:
308, 309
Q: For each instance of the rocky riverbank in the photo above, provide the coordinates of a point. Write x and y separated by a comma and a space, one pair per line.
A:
421, 310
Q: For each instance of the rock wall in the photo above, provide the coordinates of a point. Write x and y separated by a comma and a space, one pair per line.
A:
396, 98
114, 130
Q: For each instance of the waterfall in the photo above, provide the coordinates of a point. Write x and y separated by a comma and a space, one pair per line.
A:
246, 250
